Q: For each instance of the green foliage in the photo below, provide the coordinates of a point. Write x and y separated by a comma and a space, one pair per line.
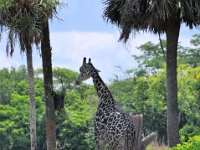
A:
64, 79
196, 40
14, 110
189, 85
5, 3
188, 55
152, 57
9, 82
74, 122
189, 130
14, 122
189, 100
192, 144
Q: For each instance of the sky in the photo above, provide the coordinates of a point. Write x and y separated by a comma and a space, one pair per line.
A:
78, 31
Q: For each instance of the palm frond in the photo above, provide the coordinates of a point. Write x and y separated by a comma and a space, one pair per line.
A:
150, 15
24, 19
190, 12
112, 10
11, 42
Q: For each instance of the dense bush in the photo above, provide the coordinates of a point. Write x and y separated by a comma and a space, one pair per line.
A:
192, 144
189, 130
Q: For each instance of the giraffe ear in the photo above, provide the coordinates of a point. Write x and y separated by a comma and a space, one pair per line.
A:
84, 61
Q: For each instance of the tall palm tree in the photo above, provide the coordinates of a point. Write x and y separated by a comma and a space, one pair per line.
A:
23, 30
48, 84
158, 16
25, 19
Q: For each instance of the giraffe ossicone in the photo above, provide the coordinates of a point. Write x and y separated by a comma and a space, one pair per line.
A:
113, 128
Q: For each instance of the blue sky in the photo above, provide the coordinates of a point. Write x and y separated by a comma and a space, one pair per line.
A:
82, 32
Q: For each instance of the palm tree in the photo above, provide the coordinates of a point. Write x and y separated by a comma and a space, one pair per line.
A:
22, 30
25, 19
48, 84
158, 16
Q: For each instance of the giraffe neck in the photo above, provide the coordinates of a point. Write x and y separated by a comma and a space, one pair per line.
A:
105, 96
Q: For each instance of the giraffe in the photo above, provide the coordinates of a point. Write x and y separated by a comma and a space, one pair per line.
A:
113, 128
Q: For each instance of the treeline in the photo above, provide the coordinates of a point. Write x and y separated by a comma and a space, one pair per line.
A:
142, 90
74, 121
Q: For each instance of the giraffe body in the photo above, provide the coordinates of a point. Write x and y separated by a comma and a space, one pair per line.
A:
113, 128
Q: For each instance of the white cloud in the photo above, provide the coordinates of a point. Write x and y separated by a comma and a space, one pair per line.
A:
103, 48
69, 48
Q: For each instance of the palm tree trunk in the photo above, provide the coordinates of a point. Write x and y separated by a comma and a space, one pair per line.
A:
32, 97
172, 34
48, 86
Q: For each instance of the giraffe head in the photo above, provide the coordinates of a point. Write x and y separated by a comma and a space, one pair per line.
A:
86, 71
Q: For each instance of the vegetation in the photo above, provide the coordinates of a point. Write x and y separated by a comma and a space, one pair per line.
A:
74, 122
142, 91
192, 144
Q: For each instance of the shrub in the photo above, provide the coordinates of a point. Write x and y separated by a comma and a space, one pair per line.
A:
189, 130
192, 144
